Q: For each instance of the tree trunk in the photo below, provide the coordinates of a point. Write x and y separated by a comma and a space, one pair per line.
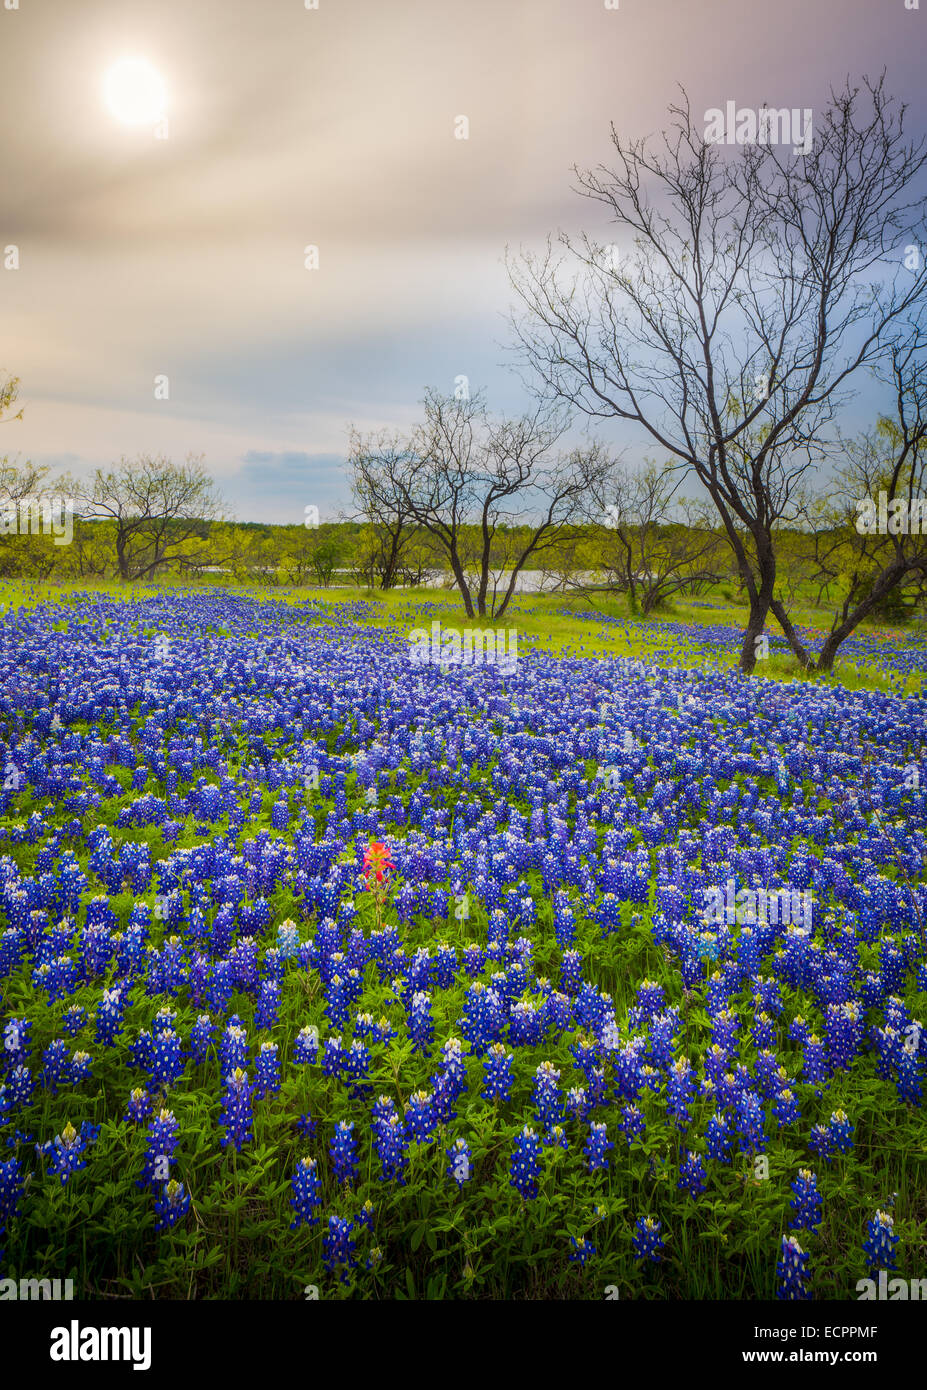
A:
461, 579
886, 582
791, 635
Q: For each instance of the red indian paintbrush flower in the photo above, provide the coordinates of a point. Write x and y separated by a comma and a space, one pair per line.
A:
377, 861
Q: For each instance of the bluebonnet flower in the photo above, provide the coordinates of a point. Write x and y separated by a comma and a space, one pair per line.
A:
719, 1138
571, 972
110, 1016
17, 1043
221, 985
692, 1175
167, 1059
680, 1091
20, 1086
307, 1193
576, 1104
646, 1241
172, 1205
343, 1150
338, 1248
421, 1023
233, 1048
306, 1047
356, 1063
807, 1201
749, 1121
909, 1079
798, 1029
472, 960
306, 1126
482, 1017
814, 1067
525, 1166
582, 1250
420, 1117
792, 1271
546, 1096
202, 1038
459, 1162
821, 1142
55, 1065
139, 1107
59, 977
236, 1118
843, 1028
841, 1131
526, 1023
389, 1138
786, 1109
364, 1218
597, 1146
288, 939
163, 1137
332, 1057
268, 1006
65, 1152
266, 1071
632, 1123
454, 1066
79, 1068
879, 1246
75, 1018
497, 1073
11, 1191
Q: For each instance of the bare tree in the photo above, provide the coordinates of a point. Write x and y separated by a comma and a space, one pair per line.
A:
466, 474
17, 481
381, 470
652, 545
162, 512
758, 284
880, 505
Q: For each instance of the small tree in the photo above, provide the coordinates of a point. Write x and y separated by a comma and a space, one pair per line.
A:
467, 478
381, 471
651, 545
884, 474
161, 512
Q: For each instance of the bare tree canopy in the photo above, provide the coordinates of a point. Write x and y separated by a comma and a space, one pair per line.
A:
462, 468
381, 468
753, 286
651, 543
162, 512
17, 481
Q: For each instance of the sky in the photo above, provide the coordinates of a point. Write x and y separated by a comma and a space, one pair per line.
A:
184, 257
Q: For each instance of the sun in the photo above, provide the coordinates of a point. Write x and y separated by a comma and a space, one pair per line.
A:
134, 92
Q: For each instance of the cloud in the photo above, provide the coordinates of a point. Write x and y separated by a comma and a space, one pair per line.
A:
334, 127
278, 486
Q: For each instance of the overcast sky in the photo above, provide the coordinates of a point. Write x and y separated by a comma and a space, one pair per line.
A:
334, 127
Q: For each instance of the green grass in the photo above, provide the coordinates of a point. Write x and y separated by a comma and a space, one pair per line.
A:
542, 627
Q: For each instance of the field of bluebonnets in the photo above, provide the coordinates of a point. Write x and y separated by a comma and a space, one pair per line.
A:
324, 971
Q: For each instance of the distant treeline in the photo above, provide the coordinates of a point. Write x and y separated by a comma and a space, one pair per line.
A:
665, 560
